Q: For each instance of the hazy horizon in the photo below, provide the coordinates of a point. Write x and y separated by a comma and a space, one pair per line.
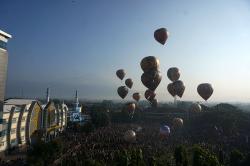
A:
67, 45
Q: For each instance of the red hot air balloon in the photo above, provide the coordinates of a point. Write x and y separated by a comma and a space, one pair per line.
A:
161, 35
205, 90
120, 74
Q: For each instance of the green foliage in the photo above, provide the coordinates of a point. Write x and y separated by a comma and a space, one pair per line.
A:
100, 117
236, 158
180, 155
201, 157
43, 153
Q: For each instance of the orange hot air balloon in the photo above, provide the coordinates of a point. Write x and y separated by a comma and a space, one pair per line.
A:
151, 79
122, 91
129, 83
161, 35
120, 74
136, 96
150, 63
173, 73
205, 90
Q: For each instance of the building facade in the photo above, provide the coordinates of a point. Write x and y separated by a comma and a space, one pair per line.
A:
75, 113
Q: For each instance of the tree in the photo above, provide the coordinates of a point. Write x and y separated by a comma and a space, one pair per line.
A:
180, 155
236, 158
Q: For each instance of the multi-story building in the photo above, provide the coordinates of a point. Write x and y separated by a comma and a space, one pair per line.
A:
24, 121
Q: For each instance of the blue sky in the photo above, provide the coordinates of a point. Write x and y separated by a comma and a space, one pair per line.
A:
69, 45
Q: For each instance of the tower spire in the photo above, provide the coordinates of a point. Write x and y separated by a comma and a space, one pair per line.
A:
48, 95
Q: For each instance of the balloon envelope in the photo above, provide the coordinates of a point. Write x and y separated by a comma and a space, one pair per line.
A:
130, 136
120, 74
151, 79
150, 63
161, 35
171, 89
179, 88
149, 94
177, 122
154, 102
173, 73
136, 96
129, 83
165, 131
195, 107
122, 91
205, 90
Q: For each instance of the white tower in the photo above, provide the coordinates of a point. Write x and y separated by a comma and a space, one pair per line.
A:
48, 95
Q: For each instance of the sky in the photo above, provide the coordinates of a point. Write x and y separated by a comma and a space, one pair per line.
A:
67, 45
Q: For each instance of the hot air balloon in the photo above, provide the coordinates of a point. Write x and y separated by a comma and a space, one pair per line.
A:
179, 88
173, 73
171, 89
130, 108
205, 90
149, 94
136, 96
129, 83
151, 79
130, 136
120, 74
195, 107
122, 91
164, 131
150, 63
161, 35
177, 122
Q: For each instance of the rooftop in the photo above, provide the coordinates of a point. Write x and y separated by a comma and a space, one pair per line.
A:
18, 101
6, 35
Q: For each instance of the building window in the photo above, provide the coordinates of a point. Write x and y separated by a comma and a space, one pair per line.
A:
14, 120
2, 133
13, 141
13, 131
3, 44
23, 119
1, 144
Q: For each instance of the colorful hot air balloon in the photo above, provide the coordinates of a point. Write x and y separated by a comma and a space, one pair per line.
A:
149, 94
179, 88
129, 83
130, 136
161, 35
205, 90
150, 63
171, 89
177, 122
195, 107
151, 79
136, 96
164, 131
122, 91
173, 73
120, 74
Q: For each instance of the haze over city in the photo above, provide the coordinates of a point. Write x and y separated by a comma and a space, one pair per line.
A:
68, 45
